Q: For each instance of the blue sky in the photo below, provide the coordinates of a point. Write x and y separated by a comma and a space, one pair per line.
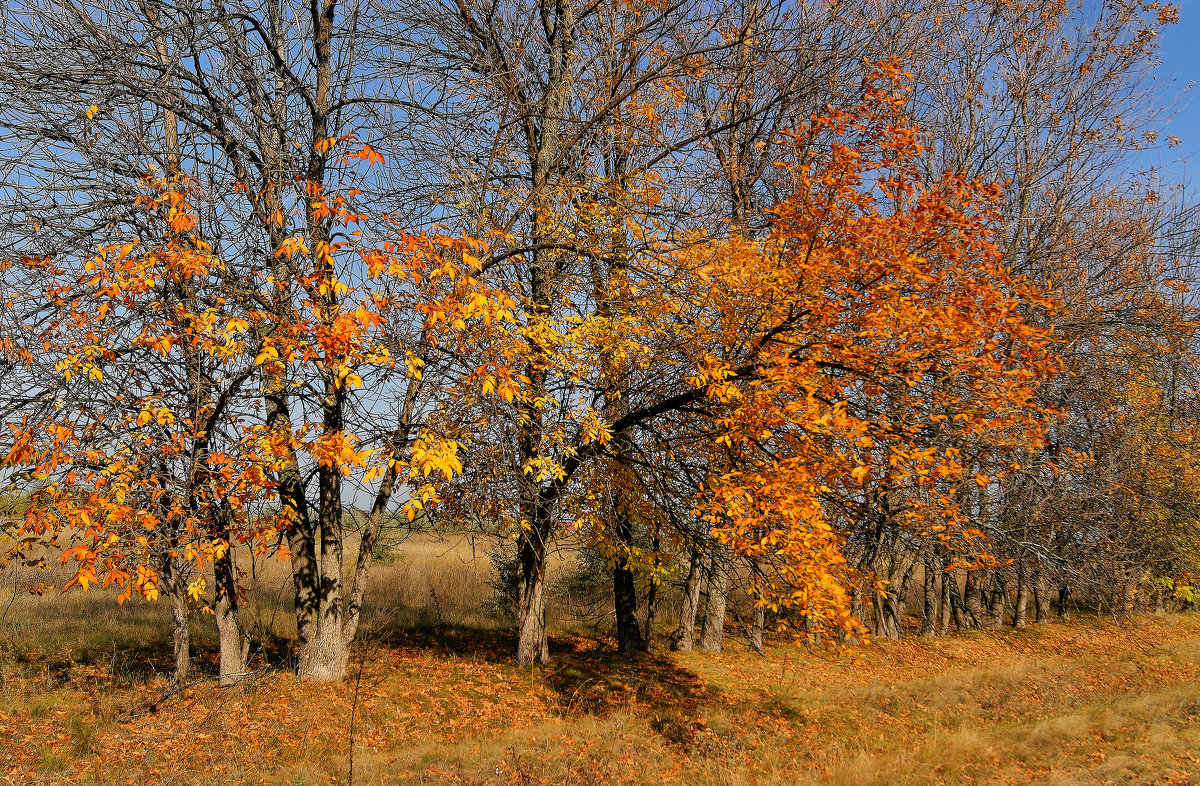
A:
1181, 66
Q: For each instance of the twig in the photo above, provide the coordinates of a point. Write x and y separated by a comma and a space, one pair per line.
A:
749, 635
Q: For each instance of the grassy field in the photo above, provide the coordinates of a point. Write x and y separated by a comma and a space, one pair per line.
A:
433, 699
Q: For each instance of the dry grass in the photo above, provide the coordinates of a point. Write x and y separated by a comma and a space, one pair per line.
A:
1088, 702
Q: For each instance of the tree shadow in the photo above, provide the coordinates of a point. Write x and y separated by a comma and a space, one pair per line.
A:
590, 677
585, 673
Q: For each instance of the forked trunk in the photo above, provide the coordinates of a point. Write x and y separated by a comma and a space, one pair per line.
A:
887, 622
684, 638
712, 634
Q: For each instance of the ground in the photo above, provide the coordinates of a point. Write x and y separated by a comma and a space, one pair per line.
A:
1090, 701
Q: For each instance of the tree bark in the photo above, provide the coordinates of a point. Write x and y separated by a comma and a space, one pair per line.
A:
684, 638
652, 597
756, 629
712, 633
230, 641
1021, 609
956, 601
944, 617
974, 599
629, 634
999, 599
1064, 597
1041, 596
533, 646
180, 635
929, 608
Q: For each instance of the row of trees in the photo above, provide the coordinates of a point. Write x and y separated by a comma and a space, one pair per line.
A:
813, 298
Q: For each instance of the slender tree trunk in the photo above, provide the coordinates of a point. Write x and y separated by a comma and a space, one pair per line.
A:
1021, 609
973, 599
856, 601
712, 633
1064, 597
956, 601
1041, 596
652, 597
887, 622
180, 635
944, 618
929, 608
999, 599
629, 635
398, 448
685, 634
756, 629
1127, 592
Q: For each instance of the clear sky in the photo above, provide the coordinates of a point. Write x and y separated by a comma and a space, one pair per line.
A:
1180, 67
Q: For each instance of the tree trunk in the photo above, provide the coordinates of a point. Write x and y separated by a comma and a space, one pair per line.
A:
685, 635
533, 646
944, 618
180, 637
756, 629
1064, 597
956, 601
331, 651
629, 635
887, 622
652, 598
1021, 610
712, 633
999, 599
231, 644
973, 599
1041, 597
929, 608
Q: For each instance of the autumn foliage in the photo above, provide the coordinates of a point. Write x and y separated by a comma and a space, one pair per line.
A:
611, 280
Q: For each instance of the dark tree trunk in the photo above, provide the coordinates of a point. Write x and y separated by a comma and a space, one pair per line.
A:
1064, 599
629, 634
